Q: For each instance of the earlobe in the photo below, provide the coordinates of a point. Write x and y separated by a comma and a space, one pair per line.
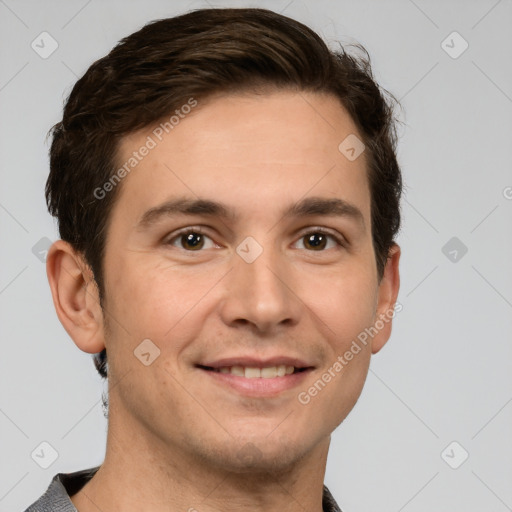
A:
75, 297
387, 296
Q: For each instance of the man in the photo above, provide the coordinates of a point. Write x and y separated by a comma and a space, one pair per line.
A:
227, 193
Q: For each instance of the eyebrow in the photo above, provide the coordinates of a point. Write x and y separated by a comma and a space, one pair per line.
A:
308, 207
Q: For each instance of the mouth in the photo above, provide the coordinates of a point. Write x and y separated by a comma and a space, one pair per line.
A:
254, 372
257, 379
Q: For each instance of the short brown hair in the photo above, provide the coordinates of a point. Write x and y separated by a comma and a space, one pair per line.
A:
155, 70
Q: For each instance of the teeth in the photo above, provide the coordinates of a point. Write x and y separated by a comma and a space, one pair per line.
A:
238, 370
268, 372
251, 373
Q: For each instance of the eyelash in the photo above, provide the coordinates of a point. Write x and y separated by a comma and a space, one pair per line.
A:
340, 242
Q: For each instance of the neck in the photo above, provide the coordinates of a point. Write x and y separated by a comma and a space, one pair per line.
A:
141, 472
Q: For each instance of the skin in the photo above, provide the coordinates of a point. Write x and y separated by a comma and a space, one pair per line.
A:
176, 437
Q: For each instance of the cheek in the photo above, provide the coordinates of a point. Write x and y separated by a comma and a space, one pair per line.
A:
345, 302
345, 309
160, 302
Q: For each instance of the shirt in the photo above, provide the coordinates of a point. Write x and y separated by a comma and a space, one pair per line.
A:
64, 485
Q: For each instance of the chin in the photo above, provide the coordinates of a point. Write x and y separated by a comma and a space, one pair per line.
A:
258, 455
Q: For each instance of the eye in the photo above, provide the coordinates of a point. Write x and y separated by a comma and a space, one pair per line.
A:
193, 239
190, 239
318, 239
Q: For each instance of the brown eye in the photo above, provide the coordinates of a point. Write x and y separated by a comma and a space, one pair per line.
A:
317, 240
190, 240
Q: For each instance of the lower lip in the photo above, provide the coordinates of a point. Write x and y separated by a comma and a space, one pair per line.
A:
259, 386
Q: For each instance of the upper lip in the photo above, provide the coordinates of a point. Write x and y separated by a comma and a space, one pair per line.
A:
256, 362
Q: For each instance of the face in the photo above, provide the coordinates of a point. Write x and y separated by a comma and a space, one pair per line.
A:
273, 280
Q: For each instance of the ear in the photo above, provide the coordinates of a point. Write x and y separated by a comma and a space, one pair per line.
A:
75, 297
387, 295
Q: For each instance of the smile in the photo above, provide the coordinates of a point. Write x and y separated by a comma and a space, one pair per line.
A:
249, 372
257, 382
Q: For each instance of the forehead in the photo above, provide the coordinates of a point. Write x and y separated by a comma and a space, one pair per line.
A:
252, 152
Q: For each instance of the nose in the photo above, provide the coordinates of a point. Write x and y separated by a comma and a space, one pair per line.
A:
261, 293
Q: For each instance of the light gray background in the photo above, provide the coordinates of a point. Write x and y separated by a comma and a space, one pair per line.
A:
444, 376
